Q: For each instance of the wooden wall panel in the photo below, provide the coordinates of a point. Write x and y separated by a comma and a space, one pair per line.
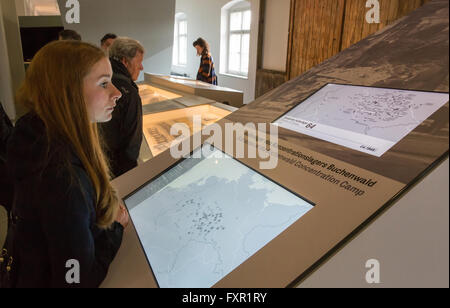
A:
267, 80
356, 27
316, 33
322, 28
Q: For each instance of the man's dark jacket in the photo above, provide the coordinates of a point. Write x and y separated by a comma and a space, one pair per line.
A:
123, 134
55, 206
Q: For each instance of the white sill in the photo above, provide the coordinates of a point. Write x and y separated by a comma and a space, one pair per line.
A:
234, 76
182, 67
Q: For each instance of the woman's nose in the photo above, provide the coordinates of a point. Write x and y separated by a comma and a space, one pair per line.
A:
116, 94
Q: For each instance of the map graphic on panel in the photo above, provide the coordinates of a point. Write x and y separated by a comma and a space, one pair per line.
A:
204, 217
157, 125
370, 120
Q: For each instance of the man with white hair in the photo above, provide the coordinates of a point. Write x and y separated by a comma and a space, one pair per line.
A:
123, 134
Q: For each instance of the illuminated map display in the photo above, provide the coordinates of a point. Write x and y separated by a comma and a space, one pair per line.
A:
152, 95
157, 126
370, 120
204, 217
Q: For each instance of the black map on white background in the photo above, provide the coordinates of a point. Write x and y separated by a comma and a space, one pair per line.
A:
201, 220
362, 118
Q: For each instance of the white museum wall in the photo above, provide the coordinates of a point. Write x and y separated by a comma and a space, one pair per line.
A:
12, 71
6, 92
149, 21
20, 8
276, 35
37, 8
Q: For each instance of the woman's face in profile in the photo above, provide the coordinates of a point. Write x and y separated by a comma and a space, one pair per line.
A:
99, 93
199, 50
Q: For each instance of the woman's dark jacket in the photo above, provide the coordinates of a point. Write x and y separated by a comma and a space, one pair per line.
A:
55, 205
123, 134
6, 129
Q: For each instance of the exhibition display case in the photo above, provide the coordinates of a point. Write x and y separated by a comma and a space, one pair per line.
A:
219, 94
157, 125
347, 147
163, 107
156, 98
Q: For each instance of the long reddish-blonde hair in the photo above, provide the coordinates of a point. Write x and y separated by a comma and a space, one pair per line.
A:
53, 89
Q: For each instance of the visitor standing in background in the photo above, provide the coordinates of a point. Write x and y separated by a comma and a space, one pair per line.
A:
65, 35
206, 72
107, 41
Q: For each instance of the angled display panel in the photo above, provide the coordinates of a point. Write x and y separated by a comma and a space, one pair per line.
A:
220, 94
151, 95
205, 216
157, 125
367, 119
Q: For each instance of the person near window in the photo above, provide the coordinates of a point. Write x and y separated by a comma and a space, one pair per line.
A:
65, 211
68, 34
206, 72
123, 134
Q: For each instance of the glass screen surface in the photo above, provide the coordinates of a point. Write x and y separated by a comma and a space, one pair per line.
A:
204, 217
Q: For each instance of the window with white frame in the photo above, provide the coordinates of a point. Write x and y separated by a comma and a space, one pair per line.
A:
239, 40
180, 40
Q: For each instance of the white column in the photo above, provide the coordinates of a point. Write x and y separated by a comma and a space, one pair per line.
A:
20, 7
12, 71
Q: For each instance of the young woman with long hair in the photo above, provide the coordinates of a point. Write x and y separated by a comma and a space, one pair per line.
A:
66, 216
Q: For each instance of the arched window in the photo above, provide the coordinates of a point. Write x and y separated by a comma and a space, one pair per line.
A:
236, 26
180, 40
